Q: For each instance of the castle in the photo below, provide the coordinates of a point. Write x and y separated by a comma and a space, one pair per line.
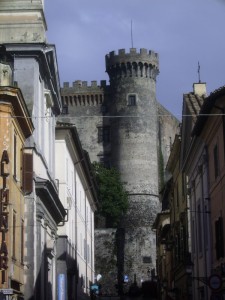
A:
123, 125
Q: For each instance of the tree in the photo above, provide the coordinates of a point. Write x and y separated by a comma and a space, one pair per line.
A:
112, 195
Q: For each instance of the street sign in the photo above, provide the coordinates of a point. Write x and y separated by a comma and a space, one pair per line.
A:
215, 282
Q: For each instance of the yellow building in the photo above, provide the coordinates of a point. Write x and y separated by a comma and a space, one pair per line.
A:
15, 127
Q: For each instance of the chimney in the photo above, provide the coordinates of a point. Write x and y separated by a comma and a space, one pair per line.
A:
199, 89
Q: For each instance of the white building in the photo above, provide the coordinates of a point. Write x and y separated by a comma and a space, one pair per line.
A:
77, 191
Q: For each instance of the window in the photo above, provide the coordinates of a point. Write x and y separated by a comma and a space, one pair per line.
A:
182, 242
177, 195
147, 259
27, 171
177, 249
81, 244
219, 238
193, 235
15, 157
65, 110
216, 161
104, 134
206, 227
85, 249
88, 254
199, 228
87, 216
22, 241
132, 100
14, 235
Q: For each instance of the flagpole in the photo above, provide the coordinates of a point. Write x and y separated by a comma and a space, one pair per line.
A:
199, 79
131, 35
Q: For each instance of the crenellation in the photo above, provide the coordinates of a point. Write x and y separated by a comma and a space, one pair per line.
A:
120, 52
144, 51
133, 64
84, 99
103, 83
133, 50
66, 84
113, 53
152, 53
84, 85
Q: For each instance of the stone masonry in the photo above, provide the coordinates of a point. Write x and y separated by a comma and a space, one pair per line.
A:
123, 125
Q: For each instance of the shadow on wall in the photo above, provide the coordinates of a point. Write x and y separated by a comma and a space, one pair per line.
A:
43, 289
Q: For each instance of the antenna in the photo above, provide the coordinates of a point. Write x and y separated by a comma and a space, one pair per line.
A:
199, 79
131, 35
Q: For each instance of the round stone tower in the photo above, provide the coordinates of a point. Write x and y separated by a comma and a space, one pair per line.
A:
133, 111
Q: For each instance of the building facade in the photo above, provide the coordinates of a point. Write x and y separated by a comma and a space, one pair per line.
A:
196, 206
119, 126
15, 127
209, 131
77, 191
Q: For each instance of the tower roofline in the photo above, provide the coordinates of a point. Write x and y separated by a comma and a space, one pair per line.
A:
142, 56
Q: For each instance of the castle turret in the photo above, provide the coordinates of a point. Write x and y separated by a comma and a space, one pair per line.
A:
133, 111
117, 124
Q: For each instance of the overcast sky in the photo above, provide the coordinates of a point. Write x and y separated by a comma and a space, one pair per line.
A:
182, 32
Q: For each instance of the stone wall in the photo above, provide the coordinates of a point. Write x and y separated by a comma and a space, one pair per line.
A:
105, 258
138, 128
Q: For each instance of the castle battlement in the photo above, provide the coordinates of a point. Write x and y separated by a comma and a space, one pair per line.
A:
132, 64
83, 85
143, 56
133, 51
80, 93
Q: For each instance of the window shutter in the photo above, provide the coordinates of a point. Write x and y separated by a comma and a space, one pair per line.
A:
27, 171
219, 238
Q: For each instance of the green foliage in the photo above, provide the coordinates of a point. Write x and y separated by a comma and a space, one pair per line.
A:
112, 195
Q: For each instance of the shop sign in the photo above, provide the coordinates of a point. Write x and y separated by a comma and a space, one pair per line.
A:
4, 201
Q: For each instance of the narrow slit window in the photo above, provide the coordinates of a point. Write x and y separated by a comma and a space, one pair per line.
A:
132, 100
